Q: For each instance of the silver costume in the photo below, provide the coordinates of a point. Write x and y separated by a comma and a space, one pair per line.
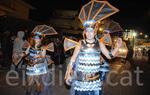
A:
88, 68
38, 66
37, 72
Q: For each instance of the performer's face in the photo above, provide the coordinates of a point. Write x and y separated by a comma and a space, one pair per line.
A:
89, 33
37, 41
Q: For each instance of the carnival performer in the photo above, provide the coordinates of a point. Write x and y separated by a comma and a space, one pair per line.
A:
86, 59
38, 77
87, 69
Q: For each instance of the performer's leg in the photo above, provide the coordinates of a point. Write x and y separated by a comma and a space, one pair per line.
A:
72, 90
83, 93
46, 84
31, 85
20, 65
97, 92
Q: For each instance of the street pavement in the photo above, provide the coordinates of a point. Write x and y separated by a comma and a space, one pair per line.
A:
118, 66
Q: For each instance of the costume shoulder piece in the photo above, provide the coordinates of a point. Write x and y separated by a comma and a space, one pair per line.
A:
49, 47
69, 44
109, 24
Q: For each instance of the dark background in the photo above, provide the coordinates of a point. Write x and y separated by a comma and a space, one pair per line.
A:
133, 14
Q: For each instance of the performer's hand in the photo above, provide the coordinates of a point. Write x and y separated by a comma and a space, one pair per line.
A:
119, 43
68, 76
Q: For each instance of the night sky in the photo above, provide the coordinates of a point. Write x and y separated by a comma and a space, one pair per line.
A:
133, 14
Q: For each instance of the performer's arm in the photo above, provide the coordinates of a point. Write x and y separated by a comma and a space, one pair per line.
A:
72, 61
111, 54
27, 50
75, 54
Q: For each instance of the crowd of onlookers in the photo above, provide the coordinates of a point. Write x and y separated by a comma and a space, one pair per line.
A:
142, 52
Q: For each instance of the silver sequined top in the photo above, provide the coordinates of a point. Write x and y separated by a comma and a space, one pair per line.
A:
89, 63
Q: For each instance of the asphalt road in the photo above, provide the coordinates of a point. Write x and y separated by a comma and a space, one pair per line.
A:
123, 72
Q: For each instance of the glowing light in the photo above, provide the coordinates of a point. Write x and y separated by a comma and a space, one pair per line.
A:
100, 29
146, 36
139, 49
122, 50
141, 33
134, 34
88, 23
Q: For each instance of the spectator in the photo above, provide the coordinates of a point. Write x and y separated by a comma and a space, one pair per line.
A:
6, 48
17, 48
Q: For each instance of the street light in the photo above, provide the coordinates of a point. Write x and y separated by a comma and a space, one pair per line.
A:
146, 36
126, 30
134, 34
141, 33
